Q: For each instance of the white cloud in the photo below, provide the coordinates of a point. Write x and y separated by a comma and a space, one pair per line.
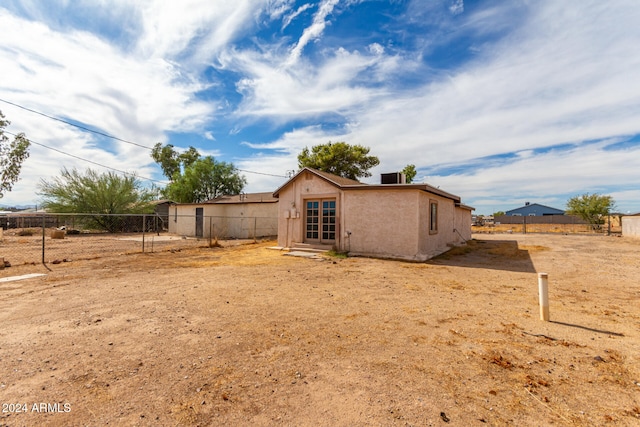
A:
315, 30
192, 30
338, 84
376, 48
456, 7
553, 177
293, 15
278, 156
79, 76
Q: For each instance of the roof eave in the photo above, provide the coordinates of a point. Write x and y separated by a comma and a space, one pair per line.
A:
422, 187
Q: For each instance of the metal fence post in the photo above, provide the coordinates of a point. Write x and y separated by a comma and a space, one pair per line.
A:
144, 225
44, 233
210, 231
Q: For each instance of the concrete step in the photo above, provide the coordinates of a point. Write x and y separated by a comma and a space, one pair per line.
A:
307, 247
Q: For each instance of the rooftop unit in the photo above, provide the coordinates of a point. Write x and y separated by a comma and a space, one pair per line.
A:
393, 178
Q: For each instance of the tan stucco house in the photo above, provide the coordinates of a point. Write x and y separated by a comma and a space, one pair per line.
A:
402, 221
241, 216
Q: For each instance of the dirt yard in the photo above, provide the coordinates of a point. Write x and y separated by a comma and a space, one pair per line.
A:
245, 335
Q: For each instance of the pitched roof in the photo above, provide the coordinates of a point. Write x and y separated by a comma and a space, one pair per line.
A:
420, 186
530, 205
266, 197
350, 184
336, 180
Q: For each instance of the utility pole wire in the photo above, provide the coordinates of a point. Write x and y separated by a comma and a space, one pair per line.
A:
108, 136
78, 126
89, 161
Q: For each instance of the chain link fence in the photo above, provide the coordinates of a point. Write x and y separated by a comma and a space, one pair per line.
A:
56, 238
222, 227
561, 224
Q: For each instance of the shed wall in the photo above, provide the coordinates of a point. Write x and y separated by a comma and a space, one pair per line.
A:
234, 221
631, 226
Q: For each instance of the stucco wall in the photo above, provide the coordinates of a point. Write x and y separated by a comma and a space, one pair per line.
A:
631, 226
242, 220
291, 207
182, 220
235, 221
463, 224
433, 244
382, 223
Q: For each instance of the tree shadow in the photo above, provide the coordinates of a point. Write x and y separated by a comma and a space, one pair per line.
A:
488, 254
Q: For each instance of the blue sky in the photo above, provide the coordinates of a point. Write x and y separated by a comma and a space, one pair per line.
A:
499, 102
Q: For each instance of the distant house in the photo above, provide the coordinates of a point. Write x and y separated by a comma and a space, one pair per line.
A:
534, 209
240, 216
402, 221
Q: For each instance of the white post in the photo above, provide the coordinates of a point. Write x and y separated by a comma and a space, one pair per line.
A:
543, 291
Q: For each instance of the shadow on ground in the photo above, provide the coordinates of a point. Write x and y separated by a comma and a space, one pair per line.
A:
491, 254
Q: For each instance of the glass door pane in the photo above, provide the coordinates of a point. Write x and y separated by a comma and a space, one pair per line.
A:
312, 218
329, 220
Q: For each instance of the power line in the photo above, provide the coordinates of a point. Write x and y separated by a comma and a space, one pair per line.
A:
105, 135
87, 160
78, 126
118, 170
262, 173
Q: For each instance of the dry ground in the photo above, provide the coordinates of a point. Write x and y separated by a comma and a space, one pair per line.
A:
247, 336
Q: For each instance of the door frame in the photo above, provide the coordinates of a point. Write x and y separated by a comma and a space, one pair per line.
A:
199, 222
323, 213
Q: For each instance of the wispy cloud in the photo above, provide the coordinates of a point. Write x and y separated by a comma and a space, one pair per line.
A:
293, 15
561, 173
456, 7
315, 30
305, 89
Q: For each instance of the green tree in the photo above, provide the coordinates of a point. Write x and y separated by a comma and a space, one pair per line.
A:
12, 155
409, 172
203, 180
499, 213
339, 158
196, 179
91, 192
172, 162
593, 208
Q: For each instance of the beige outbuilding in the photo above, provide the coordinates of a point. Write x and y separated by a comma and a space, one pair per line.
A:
401, 221
241, 216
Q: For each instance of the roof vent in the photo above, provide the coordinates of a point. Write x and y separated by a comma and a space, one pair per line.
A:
393, 178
